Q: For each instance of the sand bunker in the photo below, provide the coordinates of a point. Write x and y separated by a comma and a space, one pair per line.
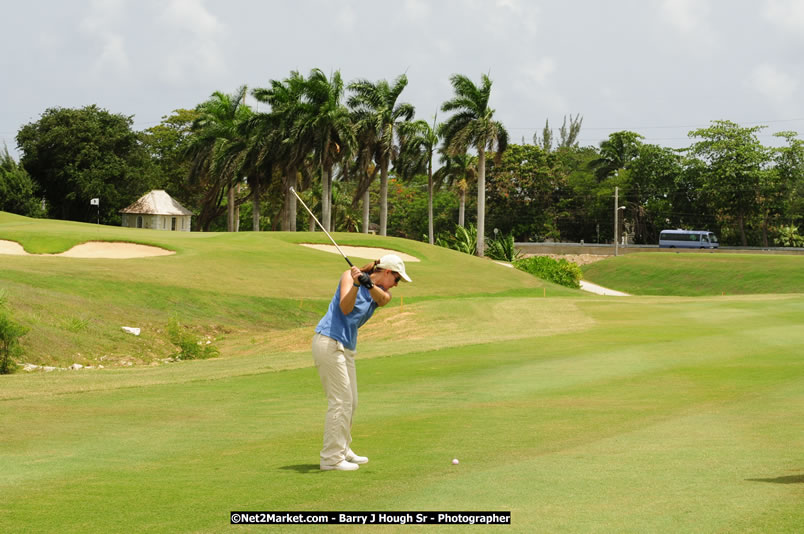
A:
369, 253
93, 249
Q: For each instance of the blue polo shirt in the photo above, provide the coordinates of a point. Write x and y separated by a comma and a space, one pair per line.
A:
342, 327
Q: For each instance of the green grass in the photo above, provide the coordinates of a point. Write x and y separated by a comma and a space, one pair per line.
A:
699, 274
576, 413
234, 287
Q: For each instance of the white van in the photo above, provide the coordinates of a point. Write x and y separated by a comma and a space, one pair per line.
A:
687, 239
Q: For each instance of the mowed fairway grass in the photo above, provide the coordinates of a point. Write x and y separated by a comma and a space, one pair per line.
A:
576, 413
698, 274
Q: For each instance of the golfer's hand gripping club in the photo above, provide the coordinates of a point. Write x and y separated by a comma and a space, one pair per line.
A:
365, 280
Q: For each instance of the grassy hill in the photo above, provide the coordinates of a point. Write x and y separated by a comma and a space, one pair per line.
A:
576, 413
244, 290
699, 274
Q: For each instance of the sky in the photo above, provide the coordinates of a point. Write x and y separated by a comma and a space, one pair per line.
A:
657, 67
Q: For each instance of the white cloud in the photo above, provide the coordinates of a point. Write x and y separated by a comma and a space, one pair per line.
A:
540, 72
774, 84
513, 5
685, 15
536, 84
786, 14
691, 19
417, 9
346, 19
105, 15
191, 15
197, 52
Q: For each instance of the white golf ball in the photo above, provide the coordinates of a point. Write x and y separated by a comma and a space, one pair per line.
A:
455, 461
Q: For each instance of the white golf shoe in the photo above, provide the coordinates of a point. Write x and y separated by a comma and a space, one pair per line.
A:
343, 465
354, 458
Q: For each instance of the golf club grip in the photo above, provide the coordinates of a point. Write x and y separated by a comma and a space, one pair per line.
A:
321, 226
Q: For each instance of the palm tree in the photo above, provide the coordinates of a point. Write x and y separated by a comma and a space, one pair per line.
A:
277, 127
616, 153
376, 109
473, 125
418, 143
457, 172
214, 161
327, 123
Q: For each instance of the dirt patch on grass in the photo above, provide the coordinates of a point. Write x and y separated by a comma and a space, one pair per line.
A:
579, 259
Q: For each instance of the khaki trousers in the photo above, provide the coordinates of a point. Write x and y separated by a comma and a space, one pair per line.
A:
336, 367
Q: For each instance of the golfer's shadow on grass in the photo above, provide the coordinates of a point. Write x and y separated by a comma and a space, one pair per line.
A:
303, 468
792, 479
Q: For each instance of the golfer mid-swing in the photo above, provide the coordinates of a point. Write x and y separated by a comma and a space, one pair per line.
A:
334, 346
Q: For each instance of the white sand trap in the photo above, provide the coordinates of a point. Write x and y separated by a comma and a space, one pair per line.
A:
93, 249
369, 253
600, 290
12, 247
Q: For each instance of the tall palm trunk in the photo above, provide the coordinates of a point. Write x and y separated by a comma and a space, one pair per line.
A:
255, 205
230, 217
292, 209
384, 198
326, 208
481, 200
430, 201
286, 215
462, 207
366, 199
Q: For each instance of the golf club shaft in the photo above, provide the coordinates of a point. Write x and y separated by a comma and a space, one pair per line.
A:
321, 226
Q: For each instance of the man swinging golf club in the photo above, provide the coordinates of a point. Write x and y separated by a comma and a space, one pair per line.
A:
359, 293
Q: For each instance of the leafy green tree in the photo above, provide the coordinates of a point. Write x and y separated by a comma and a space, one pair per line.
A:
522, 192
17, 190
457, 172
584, 206
568, 135
75, 155
789, 164
650, 191
546, 140
327, 122
419, 142
376, 110
734, 160
473, 126
213, 170
616, 153
167, 143
277, 134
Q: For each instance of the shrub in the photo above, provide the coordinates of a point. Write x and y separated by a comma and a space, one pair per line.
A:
560, 272
789, 237
10, 332
464, 240
502, 248
191, 347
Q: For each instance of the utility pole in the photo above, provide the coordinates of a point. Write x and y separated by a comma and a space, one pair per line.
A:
617, 209
616, 213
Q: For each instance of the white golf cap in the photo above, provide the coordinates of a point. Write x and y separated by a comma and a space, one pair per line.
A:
392, 262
